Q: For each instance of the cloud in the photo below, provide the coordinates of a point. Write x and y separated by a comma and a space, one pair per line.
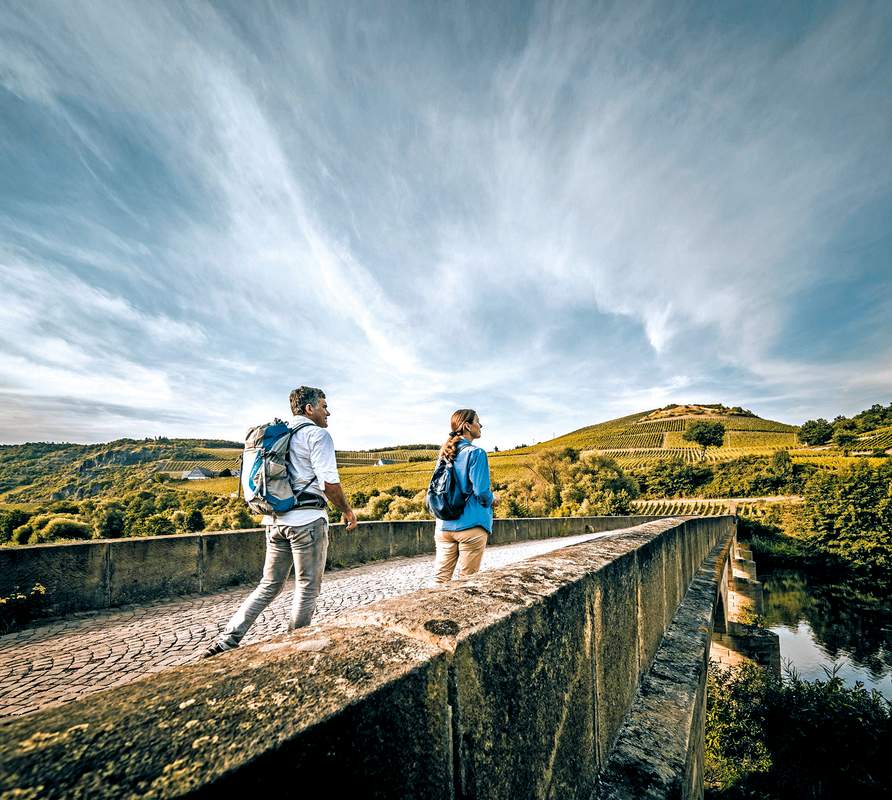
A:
555, 214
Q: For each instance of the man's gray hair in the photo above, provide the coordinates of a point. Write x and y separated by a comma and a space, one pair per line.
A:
304, 396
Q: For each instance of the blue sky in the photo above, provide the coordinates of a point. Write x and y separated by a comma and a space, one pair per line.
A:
555, 213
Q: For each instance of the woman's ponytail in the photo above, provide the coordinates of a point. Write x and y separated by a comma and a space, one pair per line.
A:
461, 420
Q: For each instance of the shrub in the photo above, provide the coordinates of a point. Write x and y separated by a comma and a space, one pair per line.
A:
195, 521
61, 528
158, 525
772, 738
20, 607
109, 521
10, 519
359, 499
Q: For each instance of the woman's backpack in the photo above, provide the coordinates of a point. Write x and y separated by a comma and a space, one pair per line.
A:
445, 499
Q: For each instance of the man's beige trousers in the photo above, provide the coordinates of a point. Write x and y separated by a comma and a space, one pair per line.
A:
465, 547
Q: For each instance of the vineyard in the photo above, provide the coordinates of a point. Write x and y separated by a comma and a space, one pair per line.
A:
700, 508
360, 457
662, 425
880, 439
760, 439
218, 466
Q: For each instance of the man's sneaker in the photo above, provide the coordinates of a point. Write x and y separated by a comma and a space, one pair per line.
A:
216, 648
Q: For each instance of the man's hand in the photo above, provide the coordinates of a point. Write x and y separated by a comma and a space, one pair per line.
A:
335, 495
496, 499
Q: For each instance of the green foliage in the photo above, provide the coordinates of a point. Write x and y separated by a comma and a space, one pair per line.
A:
108, 521
10, 519
195, 521
706, 434
60, 528
673, 478
849, 514
771, 738
815, 432
359, 499
20, 607
567, 484
158, 525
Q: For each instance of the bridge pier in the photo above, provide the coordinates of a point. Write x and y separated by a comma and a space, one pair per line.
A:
736, 641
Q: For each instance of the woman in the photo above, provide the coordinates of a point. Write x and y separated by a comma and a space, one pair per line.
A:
463, 540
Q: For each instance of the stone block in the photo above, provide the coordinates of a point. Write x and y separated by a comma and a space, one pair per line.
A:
230, 558
363, 712
651, 601
74, 575
145, 568
616, 644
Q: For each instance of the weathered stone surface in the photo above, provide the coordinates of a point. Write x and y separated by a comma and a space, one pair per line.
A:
659, 750
90, 575
75, 574
513, 683
328, 705
229, 558
143, 569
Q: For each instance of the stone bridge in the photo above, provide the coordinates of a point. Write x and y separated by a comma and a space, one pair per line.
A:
577, 673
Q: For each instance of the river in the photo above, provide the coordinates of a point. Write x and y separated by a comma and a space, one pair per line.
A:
824, 624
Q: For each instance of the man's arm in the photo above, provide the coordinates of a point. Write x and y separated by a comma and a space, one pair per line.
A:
324, 462
335, 495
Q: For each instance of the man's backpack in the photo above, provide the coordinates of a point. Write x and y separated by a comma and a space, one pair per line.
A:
264, 471
445, 499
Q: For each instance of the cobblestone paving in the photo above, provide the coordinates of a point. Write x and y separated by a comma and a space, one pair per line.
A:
64, 660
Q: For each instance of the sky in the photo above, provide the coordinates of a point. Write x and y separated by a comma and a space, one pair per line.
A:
554, 213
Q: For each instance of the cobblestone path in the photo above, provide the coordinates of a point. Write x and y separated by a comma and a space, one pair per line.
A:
66, 659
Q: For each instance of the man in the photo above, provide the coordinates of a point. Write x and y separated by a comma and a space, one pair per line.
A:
300, 535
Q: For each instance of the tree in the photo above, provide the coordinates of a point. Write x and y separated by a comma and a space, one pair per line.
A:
782, 463
109, 521
706, 434
194, 521
158, 525
844, 439
815, 431
674, 478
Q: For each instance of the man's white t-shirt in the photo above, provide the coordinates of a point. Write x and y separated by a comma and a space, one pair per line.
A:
311, 457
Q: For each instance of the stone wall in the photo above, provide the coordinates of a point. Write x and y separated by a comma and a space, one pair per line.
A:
519, 682
82, 576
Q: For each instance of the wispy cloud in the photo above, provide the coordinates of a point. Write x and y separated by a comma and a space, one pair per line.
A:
555, 214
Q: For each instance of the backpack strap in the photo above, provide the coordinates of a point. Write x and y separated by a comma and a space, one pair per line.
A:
299, 492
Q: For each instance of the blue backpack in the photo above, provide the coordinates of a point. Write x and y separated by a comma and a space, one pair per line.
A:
445, 499
264, 471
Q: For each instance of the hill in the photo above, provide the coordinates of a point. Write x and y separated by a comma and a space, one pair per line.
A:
41, 472
633, 441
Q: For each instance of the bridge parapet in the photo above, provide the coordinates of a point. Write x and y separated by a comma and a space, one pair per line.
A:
521, 682
84, 576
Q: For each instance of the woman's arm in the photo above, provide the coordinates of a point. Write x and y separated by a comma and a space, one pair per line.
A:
478, 473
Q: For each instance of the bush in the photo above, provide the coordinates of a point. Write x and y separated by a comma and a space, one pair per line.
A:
10, 519
109, 521
20, 607
769, 738
195, 521
59, 528
158, 525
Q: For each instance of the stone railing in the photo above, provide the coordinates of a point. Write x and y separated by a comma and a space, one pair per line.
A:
576, 674
84, 576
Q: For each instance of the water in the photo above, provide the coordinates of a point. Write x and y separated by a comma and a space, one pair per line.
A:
825, 624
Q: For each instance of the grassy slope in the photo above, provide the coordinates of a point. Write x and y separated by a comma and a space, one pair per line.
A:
635, 440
